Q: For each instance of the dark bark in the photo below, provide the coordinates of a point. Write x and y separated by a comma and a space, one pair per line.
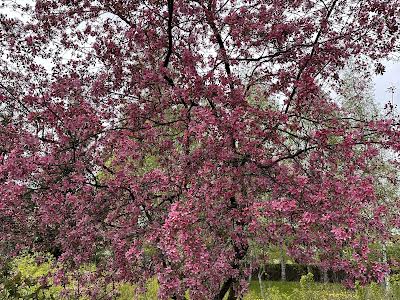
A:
224, 289
170, 41
169, 31
232, 294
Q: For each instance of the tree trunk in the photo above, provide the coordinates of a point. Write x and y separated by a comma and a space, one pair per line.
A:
250, 275
283, 263
384, 260
240, 252
260, 282
325, 276
232, 294
335, 277
227, 289
224, 289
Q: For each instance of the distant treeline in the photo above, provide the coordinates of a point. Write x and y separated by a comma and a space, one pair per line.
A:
295, 271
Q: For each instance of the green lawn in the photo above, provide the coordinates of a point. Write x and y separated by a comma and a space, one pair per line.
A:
274, 290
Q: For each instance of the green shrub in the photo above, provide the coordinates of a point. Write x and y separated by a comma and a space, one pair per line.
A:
24, 278
128, 291
394, 292
361, 291
274, 293
375, 292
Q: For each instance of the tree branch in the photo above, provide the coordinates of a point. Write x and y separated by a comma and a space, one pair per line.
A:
304, 66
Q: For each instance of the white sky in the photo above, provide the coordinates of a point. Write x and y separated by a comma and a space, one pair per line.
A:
382, 82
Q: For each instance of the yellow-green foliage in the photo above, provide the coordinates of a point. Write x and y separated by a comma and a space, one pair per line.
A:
24, 273
395, 286
150, 162
23, 280
274, 293
128, 291
307, 281
309, 290
306, 287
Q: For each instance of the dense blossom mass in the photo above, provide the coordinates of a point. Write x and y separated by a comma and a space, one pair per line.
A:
167, 138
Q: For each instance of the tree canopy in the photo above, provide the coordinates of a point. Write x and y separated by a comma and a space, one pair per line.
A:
161, 138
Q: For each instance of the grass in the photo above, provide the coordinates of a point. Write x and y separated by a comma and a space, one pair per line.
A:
278, 290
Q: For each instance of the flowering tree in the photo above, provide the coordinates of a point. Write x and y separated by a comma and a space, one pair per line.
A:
160, 137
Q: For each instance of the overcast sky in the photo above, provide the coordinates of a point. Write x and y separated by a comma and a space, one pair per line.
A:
382, 82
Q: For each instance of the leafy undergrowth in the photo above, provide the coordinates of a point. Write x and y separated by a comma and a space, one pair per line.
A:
23, 280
